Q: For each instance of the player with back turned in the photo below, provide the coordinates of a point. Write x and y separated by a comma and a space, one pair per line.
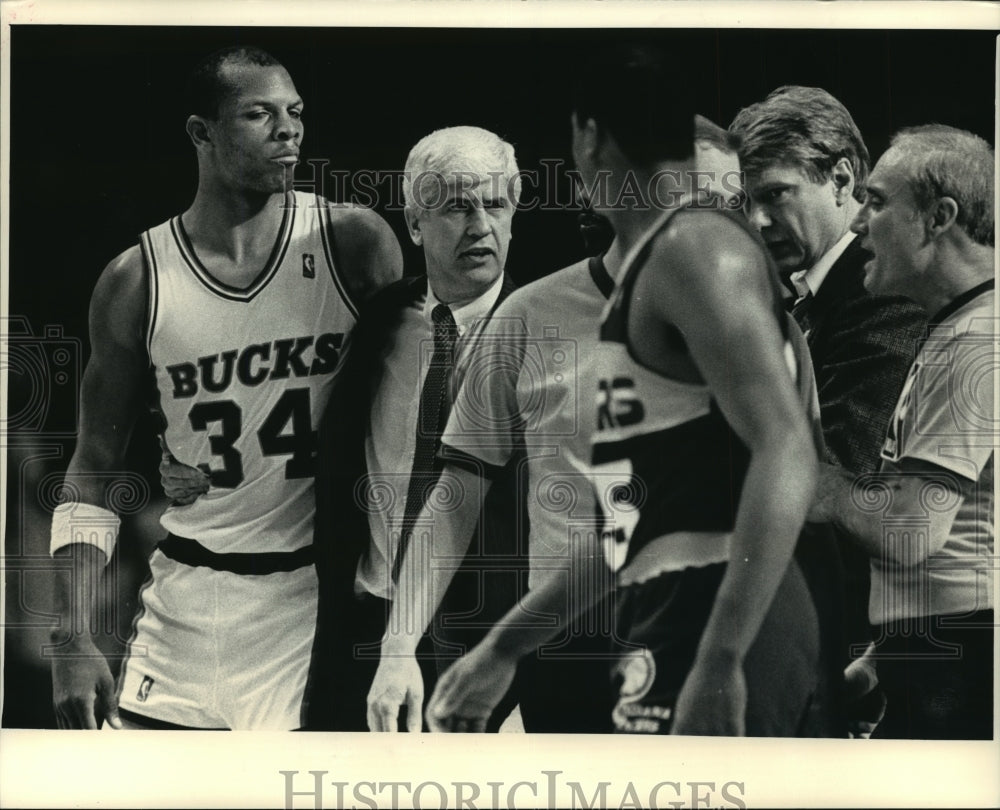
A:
702, 390
238, 308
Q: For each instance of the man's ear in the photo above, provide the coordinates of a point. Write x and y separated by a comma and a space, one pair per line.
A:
586, 136
412, 217
843, 181
940, 217
198, 131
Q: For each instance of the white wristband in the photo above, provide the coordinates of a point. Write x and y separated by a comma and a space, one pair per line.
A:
84, 523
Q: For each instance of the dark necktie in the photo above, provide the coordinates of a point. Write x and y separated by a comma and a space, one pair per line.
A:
430, 426
801, 312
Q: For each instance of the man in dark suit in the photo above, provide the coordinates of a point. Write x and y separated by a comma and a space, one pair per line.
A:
379, 442
806, 166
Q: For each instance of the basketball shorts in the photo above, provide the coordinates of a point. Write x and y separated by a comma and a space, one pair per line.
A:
660, 622
220, 648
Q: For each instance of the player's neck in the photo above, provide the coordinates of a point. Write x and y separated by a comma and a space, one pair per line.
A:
233, 225
643, 194
631, 226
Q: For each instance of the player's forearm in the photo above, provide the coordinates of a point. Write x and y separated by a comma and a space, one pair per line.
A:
430, 562
587, 581
80, 567
776, 494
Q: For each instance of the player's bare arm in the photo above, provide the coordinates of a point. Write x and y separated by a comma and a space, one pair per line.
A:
837, 501
470, 689
111, 398
368, 250
714, 288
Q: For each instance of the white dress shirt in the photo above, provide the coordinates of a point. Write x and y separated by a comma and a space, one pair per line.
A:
810, 280
392, 426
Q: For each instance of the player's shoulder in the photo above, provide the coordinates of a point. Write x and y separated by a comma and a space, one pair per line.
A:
366, 247
706, 256
709, 236
541, 291
354, 222
125, 275
120, 297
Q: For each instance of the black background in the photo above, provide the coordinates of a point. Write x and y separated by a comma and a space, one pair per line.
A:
99, 153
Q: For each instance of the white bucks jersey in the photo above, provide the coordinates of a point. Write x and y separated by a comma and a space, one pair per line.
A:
243, 377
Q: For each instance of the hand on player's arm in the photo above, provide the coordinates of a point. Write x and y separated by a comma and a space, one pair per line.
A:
726, 318
851, 503
420, 589
110, 400
181, 482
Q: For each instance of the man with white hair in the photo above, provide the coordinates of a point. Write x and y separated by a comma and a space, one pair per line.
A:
379, 442
925, 519
526, 390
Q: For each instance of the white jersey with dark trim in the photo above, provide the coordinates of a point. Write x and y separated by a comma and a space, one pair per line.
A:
243, 377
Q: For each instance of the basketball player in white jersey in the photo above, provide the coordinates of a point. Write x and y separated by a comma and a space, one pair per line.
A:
237, 309
700, 418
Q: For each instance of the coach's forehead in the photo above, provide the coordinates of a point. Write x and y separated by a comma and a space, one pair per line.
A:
471, 162
477, 172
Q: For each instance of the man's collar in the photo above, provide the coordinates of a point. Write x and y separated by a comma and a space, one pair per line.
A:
960, 301
809, 281
469, 312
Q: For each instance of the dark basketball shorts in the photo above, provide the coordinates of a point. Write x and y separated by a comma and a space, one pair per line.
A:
660, 622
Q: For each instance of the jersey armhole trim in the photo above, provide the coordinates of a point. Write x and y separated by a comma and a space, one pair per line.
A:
152, 301
332, 259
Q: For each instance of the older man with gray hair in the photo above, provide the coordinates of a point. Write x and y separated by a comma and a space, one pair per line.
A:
925, 519
806, 165
379, 443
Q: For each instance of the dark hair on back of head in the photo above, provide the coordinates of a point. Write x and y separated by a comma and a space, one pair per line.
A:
206, 86
632, 91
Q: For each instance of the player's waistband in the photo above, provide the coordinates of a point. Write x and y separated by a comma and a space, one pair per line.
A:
675, 552
193, 553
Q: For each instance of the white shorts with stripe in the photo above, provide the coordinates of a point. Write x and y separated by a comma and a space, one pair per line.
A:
217, 649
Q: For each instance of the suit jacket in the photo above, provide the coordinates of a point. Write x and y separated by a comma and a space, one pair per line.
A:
342, 534
862, 346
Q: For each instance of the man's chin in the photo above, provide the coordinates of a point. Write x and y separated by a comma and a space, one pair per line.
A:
787, 258
479, 267
871, 280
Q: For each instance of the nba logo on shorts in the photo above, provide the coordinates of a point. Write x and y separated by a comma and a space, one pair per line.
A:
144, 687
308, 265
